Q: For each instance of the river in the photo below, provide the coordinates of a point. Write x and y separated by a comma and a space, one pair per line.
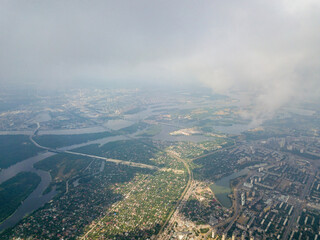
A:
36, 200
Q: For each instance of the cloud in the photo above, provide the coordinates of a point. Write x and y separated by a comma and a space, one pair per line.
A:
270, 49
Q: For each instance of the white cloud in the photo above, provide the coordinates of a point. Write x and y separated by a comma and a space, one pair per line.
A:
269, 48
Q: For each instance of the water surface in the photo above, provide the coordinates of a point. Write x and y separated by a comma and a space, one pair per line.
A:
222, 189
36, 200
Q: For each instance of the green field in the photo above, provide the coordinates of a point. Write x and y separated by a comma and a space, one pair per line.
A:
63, 166
151, 131
15, 190
128, 150
15, 148
142, 213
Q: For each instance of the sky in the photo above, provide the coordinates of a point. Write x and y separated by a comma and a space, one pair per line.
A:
268, 48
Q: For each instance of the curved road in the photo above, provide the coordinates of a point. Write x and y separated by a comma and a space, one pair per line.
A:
132, 164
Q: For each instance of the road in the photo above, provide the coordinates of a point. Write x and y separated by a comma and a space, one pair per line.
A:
298, 206
236, 206
184, 197
132, 164
117, 161
67, 186
35, 132
112, 207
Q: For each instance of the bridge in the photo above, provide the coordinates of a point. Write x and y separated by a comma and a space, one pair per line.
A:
117, 161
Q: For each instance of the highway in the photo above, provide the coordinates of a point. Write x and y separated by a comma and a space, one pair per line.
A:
184, 196
117, 161
162, 235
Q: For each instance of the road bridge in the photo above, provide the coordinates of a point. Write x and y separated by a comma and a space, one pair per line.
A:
117, 161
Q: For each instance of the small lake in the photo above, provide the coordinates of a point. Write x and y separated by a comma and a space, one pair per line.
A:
222, 189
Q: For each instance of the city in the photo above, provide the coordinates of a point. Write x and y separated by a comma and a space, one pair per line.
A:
159, 172
160, 120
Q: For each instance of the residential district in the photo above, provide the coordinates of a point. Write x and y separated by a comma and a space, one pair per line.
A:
126, 164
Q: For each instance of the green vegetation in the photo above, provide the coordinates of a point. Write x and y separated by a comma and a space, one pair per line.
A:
15, 148
200, 212
190, 150
69, 213
128, 150
213, 166
216, 165
63, 166
15, 190
141, 214
133, 128
162, 159
204, 230
151, 131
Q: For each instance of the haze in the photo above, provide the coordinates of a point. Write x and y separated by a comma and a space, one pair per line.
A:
269, 49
